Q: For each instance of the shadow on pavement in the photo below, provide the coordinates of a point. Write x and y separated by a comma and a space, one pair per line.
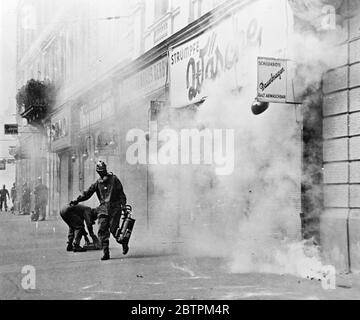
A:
142, 256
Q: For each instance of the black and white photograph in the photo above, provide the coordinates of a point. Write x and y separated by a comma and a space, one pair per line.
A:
179, 150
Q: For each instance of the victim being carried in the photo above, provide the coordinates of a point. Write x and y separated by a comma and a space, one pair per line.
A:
74, 217
110, 193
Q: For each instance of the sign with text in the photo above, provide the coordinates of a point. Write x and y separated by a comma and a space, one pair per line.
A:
144, 82
60, 129
272, 80
226, 55
11, 129
100, 109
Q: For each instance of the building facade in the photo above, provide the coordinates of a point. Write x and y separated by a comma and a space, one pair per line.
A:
160, 61
340, 218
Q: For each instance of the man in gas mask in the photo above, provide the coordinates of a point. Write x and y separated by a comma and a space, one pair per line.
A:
110, 193
74, 217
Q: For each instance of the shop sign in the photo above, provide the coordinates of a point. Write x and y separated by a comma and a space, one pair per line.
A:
101, 108
272, 80
60, 130
11, 129
161, 31
144, 82
12, 151
228, 51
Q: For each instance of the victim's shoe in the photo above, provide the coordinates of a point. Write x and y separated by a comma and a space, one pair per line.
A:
77, 248
106, 255
125, 249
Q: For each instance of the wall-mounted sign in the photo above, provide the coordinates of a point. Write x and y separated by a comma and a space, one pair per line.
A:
272, 80
227, 52
60, 129
101, 108
11, 129
161, 31
144, 82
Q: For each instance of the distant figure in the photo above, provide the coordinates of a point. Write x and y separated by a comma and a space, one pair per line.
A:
4, 194
25, 200
13, 193
41, 199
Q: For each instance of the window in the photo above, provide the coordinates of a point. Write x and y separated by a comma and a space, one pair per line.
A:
161, 8
195, 10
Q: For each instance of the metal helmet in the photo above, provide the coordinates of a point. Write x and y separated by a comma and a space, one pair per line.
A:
100, 166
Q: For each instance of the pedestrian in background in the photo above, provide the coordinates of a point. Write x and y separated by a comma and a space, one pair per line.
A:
41, 199
25, 199
13, 193
4, 194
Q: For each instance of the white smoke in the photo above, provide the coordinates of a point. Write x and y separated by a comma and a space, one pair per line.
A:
251, 218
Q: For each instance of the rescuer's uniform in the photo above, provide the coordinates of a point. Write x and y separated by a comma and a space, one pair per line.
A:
4, 194
74, 217
110, 193
41, 198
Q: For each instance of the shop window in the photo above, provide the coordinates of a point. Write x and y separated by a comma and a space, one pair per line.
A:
161, 8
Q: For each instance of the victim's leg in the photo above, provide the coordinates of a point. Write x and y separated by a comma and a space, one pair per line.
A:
71, 236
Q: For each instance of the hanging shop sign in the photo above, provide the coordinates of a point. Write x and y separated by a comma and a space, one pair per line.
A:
272, 80
144, 82
11, 129
12, 150
228, 52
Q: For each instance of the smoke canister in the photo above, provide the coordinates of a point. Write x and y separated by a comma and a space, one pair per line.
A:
123, 233
126, 230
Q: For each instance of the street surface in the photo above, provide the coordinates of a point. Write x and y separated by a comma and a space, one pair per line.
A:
139, 275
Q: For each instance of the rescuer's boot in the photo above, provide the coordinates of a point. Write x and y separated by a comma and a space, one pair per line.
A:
87, 241
125, 249
69, 247
106, 255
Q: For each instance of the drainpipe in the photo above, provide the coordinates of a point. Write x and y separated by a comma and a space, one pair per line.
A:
348, 240
348, 143
147, 172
